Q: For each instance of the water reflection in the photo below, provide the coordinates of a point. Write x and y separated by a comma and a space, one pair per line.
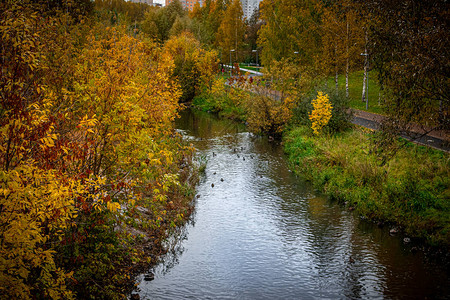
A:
261, 233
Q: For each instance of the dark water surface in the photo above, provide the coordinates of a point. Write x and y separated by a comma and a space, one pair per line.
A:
263, 233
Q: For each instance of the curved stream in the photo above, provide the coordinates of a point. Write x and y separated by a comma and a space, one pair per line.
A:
263, 233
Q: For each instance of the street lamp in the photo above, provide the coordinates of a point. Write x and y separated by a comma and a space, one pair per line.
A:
367, 79
231, 66
256, 56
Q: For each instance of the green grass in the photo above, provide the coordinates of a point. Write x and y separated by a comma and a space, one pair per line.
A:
253, 68
355, 82
412, 190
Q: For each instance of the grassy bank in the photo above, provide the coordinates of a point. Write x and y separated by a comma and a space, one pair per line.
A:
412, 191
355, 85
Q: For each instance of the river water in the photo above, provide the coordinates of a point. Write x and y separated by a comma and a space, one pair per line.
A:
260, 232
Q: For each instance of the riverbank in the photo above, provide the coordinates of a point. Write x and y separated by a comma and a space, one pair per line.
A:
410, 193
255, 221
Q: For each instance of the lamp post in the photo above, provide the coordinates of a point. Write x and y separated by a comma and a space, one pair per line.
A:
367, 79
231, 66
256, 50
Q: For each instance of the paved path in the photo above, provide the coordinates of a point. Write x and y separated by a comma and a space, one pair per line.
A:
243, 70
435, 139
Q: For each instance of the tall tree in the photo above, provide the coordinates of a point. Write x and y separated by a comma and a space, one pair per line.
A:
410, 49
194, 66
251, 33
289, 30
230, 34
207, 19
342, 39
158, 22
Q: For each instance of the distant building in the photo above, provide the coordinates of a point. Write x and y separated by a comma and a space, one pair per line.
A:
187, 4
249, 7
149, 2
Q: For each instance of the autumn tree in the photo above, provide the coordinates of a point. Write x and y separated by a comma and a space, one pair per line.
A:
253, 25
230, 34
36, 197
265, 113
207, 19
409, 48
289, 30
158, 22
86, 129
321, 113
194, 66
342, 39
119, 11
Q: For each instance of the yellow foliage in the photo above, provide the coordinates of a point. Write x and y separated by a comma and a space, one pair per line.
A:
321, 113
268, 115
195, 67
36, 206
78, 148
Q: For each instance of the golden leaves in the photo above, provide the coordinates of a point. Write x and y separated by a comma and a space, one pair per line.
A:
35, 208
89, 143
321, 113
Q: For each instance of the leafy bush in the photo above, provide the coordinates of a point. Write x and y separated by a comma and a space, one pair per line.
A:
340, 114
321, 114
86, 136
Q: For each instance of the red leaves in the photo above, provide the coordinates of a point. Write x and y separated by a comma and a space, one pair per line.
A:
107, 198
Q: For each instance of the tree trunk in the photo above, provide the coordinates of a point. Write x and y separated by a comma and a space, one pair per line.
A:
336, 80
336, 67
347, 60
364, 80
364, 96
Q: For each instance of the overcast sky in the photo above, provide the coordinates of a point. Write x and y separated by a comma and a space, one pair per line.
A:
159, 1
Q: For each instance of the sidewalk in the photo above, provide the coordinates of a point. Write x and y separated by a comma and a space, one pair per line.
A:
440, 134
438, 139
247, 71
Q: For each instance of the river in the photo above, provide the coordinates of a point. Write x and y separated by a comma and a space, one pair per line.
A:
260, 232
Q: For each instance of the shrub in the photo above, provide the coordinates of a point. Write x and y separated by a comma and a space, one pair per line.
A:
340, 114
321, 114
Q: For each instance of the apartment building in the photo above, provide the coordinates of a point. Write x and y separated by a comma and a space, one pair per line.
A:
149, 2
249, 6
188, 4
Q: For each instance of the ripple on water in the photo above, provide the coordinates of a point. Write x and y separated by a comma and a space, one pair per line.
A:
262, 233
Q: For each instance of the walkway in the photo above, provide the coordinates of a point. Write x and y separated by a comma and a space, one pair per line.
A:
435, 139
256, 73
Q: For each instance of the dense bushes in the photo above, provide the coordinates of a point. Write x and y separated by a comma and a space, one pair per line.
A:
246, 100
89, 160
